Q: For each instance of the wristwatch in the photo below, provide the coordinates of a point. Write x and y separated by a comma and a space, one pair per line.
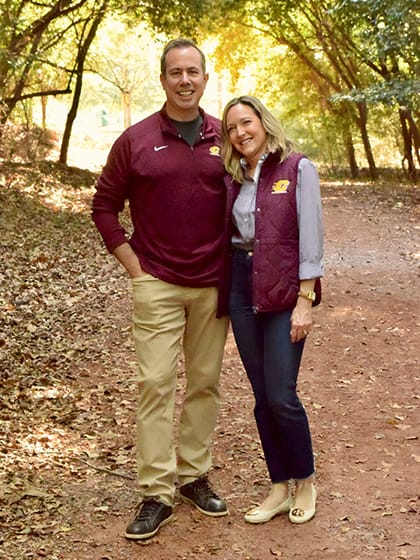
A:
307, 295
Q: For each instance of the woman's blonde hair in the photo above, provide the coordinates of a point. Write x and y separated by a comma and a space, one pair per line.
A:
276, 138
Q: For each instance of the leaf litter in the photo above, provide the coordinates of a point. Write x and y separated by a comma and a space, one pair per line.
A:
68, 385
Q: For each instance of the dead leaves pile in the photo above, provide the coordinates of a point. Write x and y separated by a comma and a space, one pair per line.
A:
56, 285
67, 373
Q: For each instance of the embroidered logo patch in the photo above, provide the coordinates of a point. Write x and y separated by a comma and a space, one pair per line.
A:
214, 151
280, 187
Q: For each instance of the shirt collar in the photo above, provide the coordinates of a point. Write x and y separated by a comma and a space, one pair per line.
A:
243, 161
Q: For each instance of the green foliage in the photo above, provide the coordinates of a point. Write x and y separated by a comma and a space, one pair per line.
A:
233, 56
314, 61
357, 52
394, 92
294, 99
174, 17
385, 35
387, 30
38, 47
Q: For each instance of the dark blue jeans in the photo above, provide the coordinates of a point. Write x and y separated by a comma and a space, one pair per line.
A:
272, 364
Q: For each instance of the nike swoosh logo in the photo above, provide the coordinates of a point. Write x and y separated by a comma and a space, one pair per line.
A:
158, 148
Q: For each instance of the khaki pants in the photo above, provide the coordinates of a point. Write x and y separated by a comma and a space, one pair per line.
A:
164, 316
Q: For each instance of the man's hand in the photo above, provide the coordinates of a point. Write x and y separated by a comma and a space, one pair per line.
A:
128, 258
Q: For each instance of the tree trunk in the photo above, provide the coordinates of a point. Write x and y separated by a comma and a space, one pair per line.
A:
28, 39
351, 155
362, 123
44, 112
408, 143
126, 107
80, 61
415, 135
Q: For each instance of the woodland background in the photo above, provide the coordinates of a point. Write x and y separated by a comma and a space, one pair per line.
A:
341, 74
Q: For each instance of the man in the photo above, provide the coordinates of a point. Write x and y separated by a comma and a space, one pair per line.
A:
168, 166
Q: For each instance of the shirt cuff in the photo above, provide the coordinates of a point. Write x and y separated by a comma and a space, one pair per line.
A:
307, 271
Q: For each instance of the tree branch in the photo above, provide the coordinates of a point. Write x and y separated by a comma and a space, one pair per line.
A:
39, 94
102, 469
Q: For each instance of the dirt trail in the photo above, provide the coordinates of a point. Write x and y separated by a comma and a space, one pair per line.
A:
359, 383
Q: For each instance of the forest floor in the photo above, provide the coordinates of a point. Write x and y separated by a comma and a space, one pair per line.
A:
68, 390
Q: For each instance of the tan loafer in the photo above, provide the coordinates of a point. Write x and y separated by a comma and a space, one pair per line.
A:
258, 515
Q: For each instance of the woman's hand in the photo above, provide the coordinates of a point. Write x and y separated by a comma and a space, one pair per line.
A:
301, 319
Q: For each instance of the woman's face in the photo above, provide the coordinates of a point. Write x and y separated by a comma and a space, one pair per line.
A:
246, 132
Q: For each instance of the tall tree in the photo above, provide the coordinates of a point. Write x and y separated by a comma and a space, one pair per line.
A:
29, 31
88, 33
385, 40
33, 32
293, 91
310, 29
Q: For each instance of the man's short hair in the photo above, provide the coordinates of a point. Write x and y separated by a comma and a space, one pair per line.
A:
180, 43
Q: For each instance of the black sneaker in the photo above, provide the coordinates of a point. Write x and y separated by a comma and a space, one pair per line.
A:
200, 494
151, 515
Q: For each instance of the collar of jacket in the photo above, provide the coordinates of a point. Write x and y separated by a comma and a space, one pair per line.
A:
272, 158
167, 126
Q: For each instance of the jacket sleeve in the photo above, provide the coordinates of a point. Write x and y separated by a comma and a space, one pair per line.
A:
111, 193
309, 208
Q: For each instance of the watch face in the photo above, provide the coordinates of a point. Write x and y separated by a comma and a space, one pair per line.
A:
308, 295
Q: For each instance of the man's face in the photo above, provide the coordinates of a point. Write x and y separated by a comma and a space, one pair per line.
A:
184, 83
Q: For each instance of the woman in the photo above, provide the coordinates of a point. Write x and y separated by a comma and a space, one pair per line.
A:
276, 265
